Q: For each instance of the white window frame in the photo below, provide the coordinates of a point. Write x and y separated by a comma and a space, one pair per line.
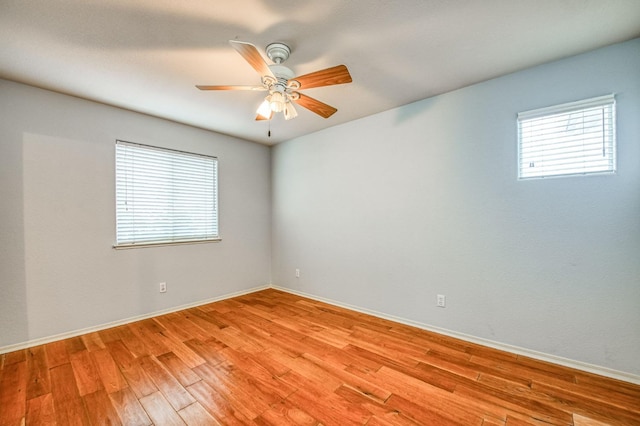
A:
164, 196
550, 143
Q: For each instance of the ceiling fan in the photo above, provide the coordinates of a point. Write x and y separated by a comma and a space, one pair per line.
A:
281, 83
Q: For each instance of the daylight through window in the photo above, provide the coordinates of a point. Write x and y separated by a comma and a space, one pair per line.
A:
164, 196
571, 139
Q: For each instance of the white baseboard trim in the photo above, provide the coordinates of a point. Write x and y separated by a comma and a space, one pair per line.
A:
75, 333
578, 365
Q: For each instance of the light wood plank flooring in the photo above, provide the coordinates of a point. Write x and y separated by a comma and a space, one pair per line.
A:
272, 358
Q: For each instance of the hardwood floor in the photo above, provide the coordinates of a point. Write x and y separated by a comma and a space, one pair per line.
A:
272, 358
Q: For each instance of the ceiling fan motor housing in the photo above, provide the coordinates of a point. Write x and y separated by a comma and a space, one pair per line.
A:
281, 72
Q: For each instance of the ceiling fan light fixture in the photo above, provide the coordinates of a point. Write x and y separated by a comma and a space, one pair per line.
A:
289, 111
264, 110
277, 102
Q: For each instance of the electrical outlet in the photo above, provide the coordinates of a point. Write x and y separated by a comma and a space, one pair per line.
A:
297, 273
440, 301
163, 287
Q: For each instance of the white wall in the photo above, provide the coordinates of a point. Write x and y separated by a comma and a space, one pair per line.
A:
386, 212
58, 270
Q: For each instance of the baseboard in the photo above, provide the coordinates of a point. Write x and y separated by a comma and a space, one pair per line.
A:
75, 333
578, 365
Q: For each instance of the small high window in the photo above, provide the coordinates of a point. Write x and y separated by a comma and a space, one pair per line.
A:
576, 138
164, 196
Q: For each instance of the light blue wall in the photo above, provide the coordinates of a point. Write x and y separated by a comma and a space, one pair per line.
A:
386, 212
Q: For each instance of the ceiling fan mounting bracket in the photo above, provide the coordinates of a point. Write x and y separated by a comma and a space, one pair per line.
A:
278, 52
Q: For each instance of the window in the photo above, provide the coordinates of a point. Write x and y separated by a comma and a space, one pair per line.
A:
164, 196
577, 138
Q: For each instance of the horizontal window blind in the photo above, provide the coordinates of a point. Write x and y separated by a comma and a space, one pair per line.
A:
164, 196
569, 139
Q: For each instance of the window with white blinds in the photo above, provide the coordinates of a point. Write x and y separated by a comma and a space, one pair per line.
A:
577, 138
164, 196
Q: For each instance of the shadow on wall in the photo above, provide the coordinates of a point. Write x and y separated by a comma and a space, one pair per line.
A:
13, 299
414, 110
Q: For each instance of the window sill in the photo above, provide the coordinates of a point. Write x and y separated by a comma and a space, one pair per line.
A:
164, 244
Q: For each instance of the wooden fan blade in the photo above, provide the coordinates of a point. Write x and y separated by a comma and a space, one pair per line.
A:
260, 118
231, 87
315, 105
328, 77
251, 55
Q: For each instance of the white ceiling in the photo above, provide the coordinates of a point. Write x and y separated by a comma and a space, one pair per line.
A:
147, 55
